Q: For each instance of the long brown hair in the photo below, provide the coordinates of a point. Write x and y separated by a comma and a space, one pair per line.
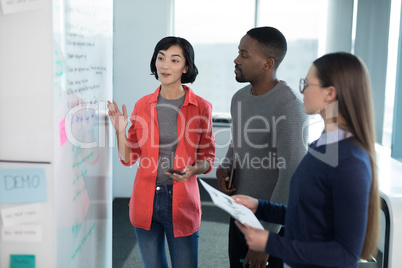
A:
348, 74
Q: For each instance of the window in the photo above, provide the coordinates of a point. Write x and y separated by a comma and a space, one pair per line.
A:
391, 73
303, 23
215, 27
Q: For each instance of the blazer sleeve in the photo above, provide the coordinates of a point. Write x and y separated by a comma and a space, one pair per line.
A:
206, 147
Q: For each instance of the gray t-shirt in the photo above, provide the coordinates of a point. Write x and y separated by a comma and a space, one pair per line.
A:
167, 112
269, 139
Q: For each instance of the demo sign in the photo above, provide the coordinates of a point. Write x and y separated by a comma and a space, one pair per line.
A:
23, 185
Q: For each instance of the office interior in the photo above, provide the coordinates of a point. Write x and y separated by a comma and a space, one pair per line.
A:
61, 60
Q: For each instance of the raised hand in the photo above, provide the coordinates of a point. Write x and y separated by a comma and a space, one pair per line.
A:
119, 120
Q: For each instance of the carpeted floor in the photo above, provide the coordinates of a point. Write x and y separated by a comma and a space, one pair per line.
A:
213, 233
212, 251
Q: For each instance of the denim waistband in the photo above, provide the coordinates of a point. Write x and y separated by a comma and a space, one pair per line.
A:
161, 188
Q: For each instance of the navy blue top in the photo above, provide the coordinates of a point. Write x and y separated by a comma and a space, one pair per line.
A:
326, 216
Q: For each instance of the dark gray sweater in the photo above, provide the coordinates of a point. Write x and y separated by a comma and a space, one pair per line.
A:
269, 139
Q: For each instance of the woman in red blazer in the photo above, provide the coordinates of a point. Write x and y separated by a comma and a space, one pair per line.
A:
171, 129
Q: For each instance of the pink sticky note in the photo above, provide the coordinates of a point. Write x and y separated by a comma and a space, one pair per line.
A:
63, 136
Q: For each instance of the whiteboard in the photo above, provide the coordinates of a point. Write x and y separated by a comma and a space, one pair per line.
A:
55, 77
83, 54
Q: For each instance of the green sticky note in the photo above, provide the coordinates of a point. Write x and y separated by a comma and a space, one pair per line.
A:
22, 261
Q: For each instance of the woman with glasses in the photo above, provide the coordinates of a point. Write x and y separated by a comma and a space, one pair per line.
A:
332, 217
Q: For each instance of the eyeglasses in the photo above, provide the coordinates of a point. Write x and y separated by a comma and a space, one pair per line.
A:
303, 85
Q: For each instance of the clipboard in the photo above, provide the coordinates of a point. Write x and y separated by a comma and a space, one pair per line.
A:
237, 211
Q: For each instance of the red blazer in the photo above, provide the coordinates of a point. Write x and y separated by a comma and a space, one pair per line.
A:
196, 142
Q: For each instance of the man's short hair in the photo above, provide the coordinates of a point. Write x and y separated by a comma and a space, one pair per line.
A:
272, 41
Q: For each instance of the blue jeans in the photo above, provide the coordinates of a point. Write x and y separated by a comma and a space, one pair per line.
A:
183, 250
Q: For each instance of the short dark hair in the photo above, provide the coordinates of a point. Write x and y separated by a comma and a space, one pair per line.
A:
188, 53
273, 42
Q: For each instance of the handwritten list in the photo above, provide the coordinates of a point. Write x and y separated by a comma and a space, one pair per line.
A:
83, 79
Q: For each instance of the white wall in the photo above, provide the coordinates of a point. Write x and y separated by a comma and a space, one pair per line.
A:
26, 113
26, 85
138, 26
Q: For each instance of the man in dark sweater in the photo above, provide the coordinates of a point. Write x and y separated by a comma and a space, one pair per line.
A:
269, 135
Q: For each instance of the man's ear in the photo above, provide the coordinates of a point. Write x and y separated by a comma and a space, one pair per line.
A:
269, 63
331, 94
